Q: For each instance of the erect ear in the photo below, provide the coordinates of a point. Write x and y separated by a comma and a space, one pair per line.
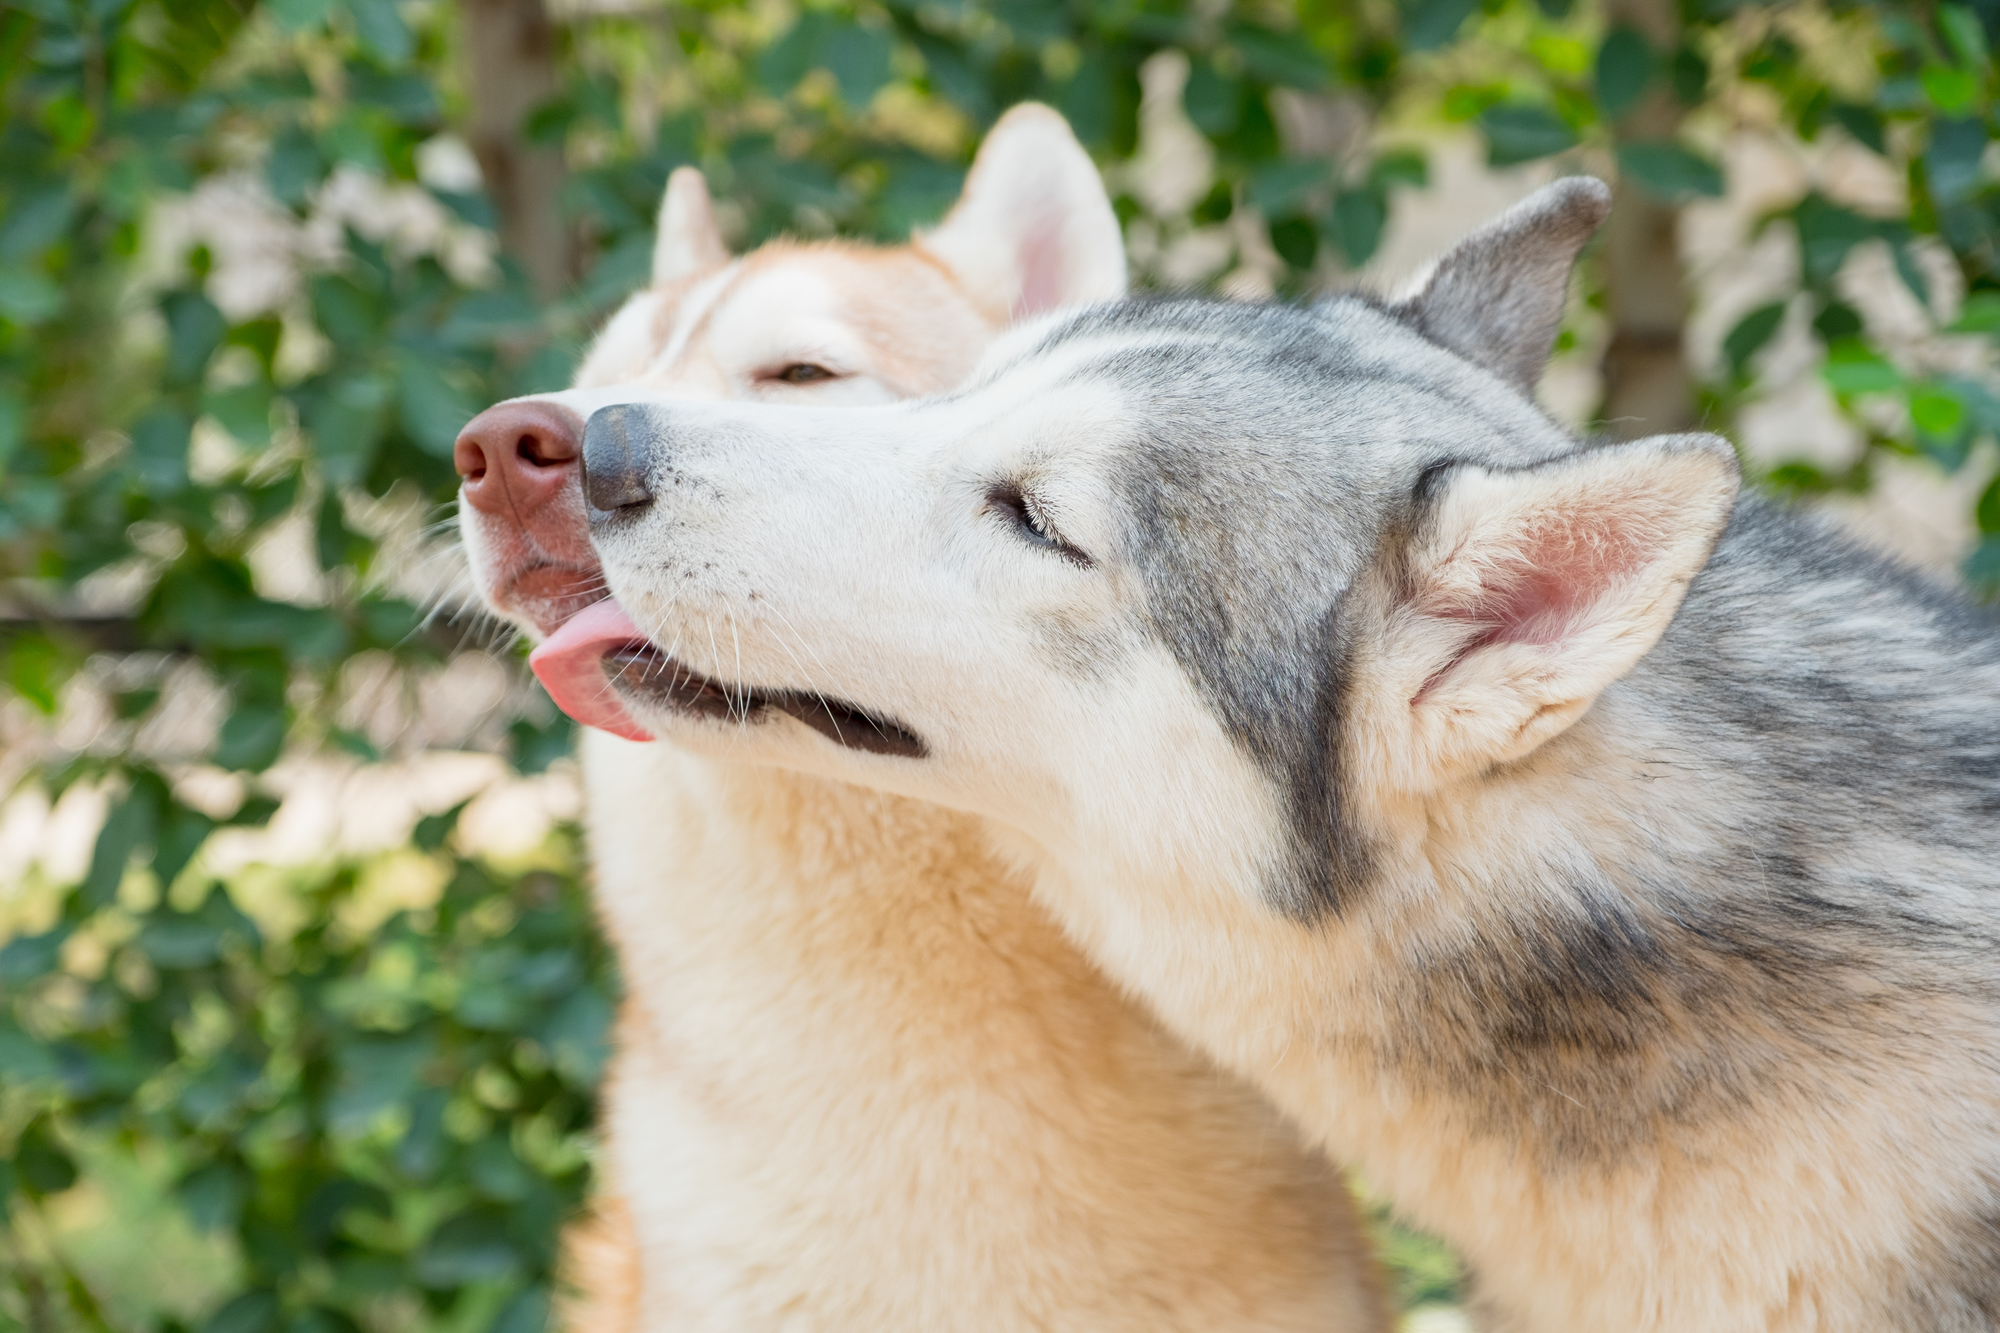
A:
1496, 298
688, 242
1521, 595
1033, 229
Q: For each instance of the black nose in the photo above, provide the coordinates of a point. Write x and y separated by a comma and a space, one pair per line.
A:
618, 457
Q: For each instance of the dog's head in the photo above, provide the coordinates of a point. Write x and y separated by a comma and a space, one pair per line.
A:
825, 324
1203, 579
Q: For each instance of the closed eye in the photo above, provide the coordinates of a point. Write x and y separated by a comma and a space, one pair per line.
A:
800, 372
1027, 519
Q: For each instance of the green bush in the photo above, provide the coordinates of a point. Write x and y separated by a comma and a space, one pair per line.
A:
382, 1123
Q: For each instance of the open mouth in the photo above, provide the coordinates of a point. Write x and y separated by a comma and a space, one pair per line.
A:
599, 658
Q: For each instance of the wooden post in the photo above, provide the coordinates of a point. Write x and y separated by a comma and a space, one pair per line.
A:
510, 70
1647, 386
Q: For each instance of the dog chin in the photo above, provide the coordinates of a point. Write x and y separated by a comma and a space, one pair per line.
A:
543, 598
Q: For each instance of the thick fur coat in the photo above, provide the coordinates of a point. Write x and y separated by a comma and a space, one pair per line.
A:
861, 1081
1605, 865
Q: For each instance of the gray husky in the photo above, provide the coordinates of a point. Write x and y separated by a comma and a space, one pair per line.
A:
1604, 864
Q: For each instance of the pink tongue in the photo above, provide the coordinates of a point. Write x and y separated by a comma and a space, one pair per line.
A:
570, 665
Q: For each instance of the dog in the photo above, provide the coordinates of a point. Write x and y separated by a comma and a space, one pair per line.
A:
1602, 861
861, 1083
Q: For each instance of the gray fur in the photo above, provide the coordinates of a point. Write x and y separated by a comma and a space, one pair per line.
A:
1860, 705
1497, 298
1282, 439
1762, 888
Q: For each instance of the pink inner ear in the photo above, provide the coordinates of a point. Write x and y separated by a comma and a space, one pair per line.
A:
1547, 579
1041, 266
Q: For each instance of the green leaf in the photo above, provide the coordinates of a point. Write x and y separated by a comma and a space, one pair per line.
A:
212, 1196
1963, 34
195, 328
376, 1073
332, 1202
497, 1173
1935, 411
1950, 89
243, 411
788, 59
1852, 368
345, 418
160, 451
380, 26
23, 1060
1750, 335
1296, 240
1953, 160
30, 957
27, 297
1982, 567
36, 220
1625, 65
299, 15
528, 1312
1278, 187
13, 425
472, 1247
1431, 23
128, 827
251, 1312
858, 58
1864, 123
1283, 58
40, 1164
1516, 132
1402, 166
1355, 224
35, 670
1826, 233
434, 409
1980, 314
577, 1032
174, 941
294, 166
1669, 171
1988, 510
251, 739
1213, 100
346, 311
181, 835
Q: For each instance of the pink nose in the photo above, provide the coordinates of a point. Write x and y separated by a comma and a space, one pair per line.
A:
518, 457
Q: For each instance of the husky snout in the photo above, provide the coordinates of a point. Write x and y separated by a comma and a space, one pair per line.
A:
520, 462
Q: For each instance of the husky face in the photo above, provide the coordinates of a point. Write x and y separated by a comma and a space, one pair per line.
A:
1128, 584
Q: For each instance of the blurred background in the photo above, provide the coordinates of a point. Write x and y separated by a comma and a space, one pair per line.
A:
301, 1004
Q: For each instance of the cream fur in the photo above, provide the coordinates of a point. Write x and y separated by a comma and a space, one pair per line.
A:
861, 1083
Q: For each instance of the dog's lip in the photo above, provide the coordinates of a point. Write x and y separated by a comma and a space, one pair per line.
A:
598, 658
549, 592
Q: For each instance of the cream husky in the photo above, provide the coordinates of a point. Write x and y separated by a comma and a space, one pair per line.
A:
861, 1084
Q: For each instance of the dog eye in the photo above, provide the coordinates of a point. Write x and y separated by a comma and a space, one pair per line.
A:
1020, 509
803, 372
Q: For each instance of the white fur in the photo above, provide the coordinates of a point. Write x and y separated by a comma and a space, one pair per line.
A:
862, 1083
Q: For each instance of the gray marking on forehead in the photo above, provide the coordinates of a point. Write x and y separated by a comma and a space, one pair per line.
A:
1268, 451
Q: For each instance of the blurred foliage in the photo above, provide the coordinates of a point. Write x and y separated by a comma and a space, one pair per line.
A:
389, 1118
384, 1122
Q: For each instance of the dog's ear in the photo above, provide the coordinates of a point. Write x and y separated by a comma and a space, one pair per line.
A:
1496, 298
1033, 230
688, 242
1518, 596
